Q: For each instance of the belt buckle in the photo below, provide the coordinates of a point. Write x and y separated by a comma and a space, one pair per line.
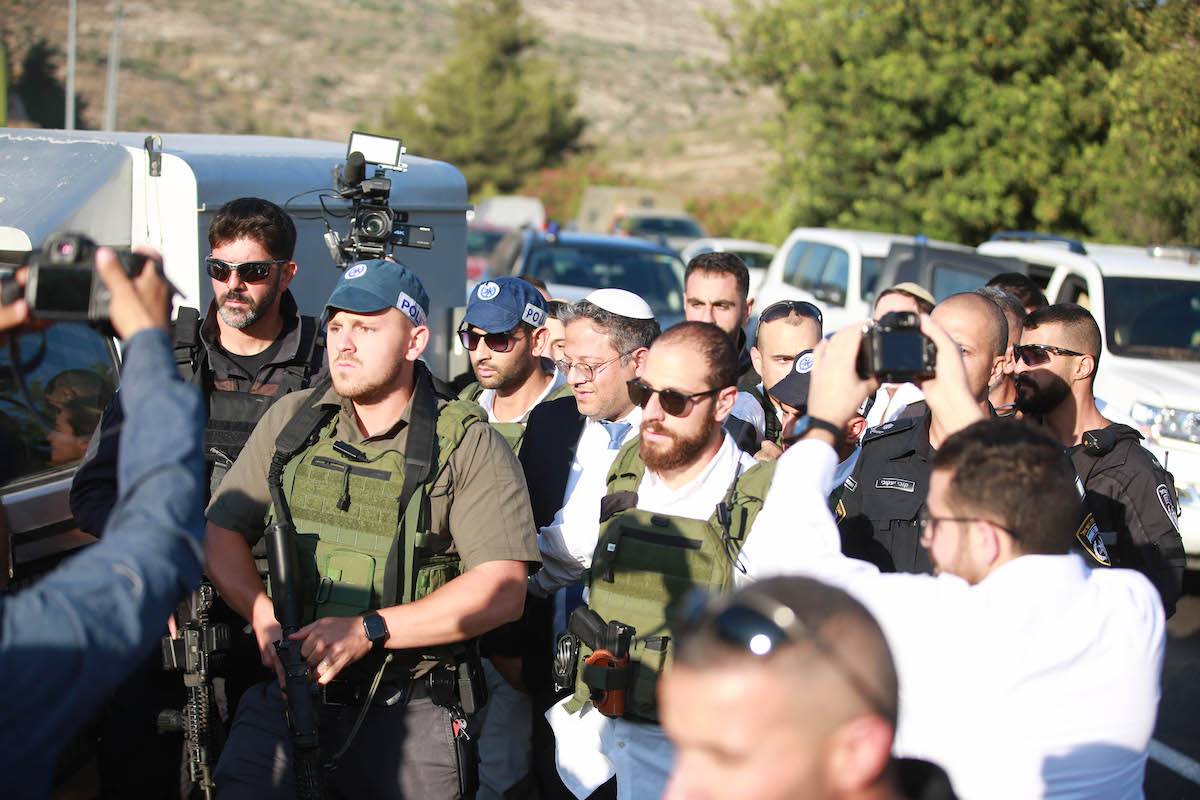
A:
340, 693
400, 697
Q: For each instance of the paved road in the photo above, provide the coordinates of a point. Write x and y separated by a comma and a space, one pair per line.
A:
1178, 730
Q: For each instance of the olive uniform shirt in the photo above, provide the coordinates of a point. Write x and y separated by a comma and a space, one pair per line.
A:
479, 499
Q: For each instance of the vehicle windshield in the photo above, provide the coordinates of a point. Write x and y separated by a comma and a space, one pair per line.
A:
665, 226
1153, 318
482, 242
656, 277
755, 259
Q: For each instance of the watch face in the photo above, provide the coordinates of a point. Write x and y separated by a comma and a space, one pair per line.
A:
375, 626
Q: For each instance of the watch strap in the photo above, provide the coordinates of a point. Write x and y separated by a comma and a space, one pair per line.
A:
818, 424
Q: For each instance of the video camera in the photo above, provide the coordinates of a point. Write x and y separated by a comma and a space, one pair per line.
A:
895, 351
375, 228
62, 283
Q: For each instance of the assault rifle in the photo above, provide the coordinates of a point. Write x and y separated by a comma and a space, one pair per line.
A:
192, 654
301, 691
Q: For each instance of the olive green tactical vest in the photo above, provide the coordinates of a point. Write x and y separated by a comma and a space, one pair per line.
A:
513, 432
645, 563
346, 512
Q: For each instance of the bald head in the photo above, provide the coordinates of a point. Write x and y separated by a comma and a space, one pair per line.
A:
836, 646
978, 327
986, 314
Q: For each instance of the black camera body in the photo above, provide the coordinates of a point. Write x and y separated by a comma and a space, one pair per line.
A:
62, 283
375, 228
895, 351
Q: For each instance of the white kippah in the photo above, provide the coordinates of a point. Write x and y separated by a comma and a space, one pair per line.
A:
621, 303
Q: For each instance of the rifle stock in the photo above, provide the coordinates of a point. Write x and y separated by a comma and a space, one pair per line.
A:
303, 721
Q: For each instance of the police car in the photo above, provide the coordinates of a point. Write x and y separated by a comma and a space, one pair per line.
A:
1147, 303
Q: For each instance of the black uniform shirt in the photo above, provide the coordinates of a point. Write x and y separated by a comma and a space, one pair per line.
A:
1130, 494
882, 499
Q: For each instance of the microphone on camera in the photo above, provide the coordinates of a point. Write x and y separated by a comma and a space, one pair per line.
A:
356, 169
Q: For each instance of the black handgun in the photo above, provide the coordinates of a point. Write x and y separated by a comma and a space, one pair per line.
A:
609, 643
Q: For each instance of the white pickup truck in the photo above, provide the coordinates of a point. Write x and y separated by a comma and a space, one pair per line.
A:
1147, 303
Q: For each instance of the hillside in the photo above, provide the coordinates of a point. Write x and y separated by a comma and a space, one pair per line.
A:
648, 84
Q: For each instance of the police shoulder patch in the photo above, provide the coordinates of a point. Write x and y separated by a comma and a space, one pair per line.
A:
1164, 497
888, 428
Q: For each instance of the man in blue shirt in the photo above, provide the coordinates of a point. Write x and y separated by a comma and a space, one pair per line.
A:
68, 640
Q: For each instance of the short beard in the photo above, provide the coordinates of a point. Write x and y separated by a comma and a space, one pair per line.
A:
511, 378
368, 392
680, 452
1041, 401
241, 319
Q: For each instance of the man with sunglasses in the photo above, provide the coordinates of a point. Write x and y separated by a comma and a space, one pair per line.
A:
785, 330
684, 507
503, 331
416, 539
881, 501
787, 689
1127, 491
716, 290
1023, 672
1003, 392
251, 348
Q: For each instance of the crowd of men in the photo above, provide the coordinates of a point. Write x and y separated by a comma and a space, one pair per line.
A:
618, 561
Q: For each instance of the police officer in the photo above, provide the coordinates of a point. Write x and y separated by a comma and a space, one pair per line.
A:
503, 331
882, 499
1127, 491
684, 508
388, 474
785, 329
252, 348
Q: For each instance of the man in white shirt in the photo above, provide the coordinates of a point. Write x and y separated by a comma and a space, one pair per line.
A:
568, 448
684, 507
1022, 673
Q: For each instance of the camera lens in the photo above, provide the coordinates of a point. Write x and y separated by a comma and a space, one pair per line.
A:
376, 224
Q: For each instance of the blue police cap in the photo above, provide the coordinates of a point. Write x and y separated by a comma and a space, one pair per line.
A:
500, 304
377, 284
792, 389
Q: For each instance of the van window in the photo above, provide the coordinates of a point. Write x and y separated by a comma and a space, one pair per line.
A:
1074, 290
871, 267
949, 280
1153, 318
792, 265
70, 374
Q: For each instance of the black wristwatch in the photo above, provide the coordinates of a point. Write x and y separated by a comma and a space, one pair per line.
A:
808, 423
376, 629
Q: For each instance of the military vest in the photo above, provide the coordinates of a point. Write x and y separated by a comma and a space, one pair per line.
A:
644, 564
232, 416
513, 432
361, 544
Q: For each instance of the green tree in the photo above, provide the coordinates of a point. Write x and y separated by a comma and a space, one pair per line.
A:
495, 109
1147, 179
952, 118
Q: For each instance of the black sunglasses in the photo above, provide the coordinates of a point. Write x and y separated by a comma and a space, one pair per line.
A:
496, 342
677, 404
1036, 354
760, 625
248, 271
781, 309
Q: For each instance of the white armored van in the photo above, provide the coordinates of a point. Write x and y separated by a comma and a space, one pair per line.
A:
126, 189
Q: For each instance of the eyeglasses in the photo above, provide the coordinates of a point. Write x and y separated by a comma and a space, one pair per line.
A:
248, 271
781, 309
677, 404
496, 342
928, 523
760, 625
1036, 354
588, 371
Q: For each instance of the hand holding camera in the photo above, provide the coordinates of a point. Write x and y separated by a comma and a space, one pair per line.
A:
74, 280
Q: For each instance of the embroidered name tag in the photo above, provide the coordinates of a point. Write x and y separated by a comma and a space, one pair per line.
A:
897, 484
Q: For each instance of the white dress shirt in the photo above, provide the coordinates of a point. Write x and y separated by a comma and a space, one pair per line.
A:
487, 398
889, 406
793, 529
567, 543
1042, 680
